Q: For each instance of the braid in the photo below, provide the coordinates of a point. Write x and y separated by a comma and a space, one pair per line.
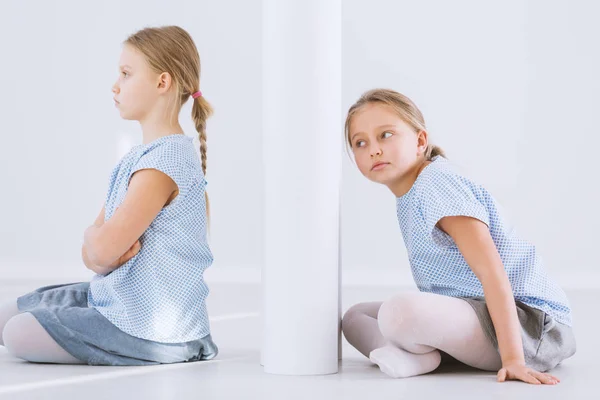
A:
201, 110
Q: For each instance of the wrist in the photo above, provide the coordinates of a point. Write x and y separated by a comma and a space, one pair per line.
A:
513, 361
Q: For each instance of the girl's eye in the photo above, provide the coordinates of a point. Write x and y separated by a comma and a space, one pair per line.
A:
386, 135
360, 143
125, 74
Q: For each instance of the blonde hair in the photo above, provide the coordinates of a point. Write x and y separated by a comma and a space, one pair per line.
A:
402, 105
171, 49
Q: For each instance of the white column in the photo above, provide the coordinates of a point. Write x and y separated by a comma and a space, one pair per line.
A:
302, 124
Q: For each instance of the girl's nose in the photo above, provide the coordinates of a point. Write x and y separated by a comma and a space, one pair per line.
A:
375, 151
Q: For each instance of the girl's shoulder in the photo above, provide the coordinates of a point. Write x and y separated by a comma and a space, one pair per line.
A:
439, 170
175, 151
173, 146
441, 177
174, 156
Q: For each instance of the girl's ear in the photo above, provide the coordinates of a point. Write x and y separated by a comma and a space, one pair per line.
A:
422, 141
164, 82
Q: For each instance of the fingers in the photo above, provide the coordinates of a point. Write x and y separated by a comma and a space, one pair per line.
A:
502, 375
553, 377
136, 247
129, 254
133, 250
544, 378
526, 375
528, 378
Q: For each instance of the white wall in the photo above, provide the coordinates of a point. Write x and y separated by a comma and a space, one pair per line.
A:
61, 134
509, 89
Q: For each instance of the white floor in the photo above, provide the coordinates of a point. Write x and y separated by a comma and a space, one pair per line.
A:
237, 374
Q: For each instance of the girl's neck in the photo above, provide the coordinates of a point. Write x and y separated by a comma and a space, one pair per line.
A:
402, 186
155, 128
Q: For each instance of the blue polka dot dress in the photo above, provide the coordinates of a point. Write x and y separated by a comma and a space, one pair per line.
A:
439, 267
152, 309
160, 294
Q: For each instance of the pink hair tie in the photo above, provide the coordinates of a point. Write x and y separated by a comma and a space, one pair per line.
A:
197, 94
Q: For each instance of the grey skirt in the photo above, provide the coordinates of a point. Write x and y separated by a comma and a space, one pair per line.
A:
546, 342
88, 336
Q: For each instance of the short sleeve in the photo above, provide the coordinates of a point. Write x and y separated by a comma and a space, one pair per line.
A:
446, 194
111, 183
170, 159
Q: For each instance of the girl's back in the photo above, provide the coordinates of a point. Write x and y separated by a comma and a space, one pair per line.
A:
437, 263
163, 282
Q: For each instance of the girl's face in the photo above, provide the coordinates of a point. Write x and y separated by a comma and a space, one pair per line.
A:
386, 148
137, 88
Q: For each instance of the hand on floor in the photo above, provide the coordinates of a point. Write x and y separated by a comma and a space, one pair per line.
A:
521, 373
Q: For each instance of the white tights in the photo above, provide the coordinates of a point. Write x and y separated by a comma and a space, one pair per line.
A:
403, 335
25, 338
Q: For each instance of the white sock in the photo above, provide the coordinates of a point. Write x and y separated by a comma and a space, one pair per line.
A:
399, 363
403, 335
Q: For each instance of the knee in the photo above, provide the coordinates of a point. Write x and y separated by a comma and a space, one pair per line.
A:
357, 313
7, 311
399, 316
349, 317
14, 334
